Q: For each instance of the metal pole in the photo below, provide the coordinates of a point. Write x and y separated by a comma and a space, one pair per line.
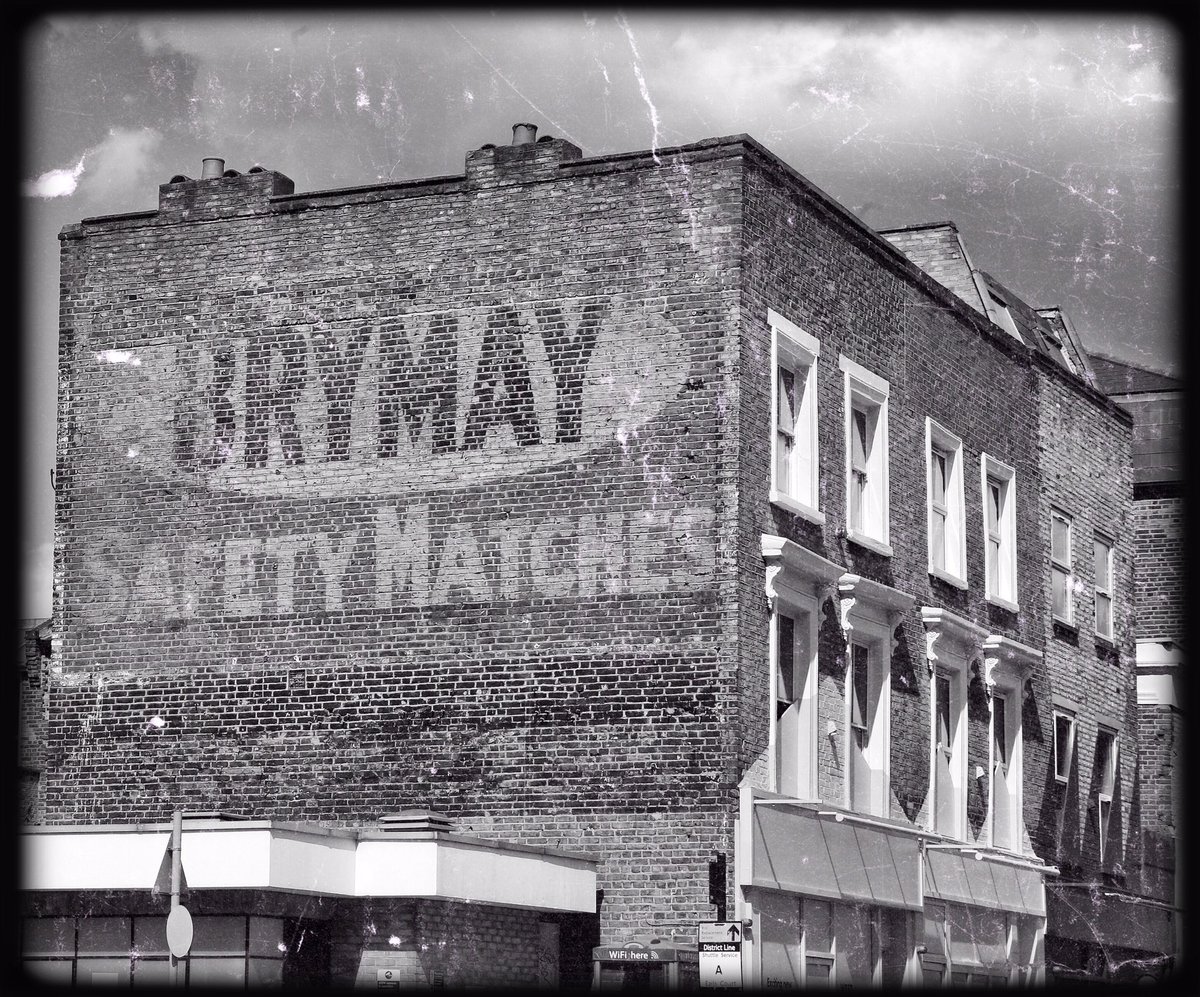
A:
176, 868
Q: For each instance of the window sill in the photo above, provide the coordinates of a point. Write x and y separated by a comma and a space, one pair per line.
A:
948, 578
870, 543
998, 600
1106, 642
797, 508
1062, 624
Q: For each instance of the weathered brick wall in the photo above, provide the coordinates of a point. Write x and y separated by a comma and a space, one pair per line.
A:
31, 725
818, 269
429, 943
937, 250
407, 496
1086, 472
1160, 751
1159, 561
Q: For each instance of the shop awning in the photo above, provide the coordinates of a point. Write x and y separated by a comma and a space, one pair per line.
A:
309, 858
798, 851
959, 878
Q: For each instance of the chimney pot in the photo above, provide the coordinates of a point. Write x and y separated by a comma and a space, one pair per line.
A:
212, 169
524, 134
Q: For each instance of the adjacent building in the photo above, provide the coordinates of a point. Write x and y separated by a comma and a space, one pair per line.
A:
506, 569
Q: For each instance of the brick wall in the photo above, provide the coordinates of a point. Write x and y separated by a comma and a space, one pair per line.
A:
423, 942
936, 249
31, 723
817, 268
1158, 526
1160, 750
1086, 473
408, 496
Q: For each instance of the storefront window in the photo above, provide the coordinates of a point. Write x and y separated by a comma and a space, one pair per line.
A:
120, 951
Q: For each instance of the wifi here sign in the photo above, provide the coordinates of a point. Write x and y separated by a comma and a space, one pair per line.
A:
720, 949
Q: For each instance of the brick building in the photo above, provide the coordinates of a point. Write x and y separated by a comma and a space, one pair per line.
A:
1156, 403
630, 518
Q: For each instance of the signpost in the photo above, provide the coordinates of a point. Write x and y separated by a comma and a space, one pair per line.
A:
720, 950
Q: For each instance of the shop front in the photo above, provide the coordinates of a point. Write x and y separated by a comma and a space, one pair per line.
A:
398, 905
837, 899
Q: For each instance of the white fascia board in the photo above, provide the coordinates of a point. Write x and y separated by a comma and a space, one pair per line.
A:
399, 868
79, 860
515, 878
308, 863
317, 861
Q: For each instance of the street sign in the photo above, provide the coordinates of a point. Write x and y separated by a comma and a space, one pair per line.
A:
179, 931
387, 979
720, 951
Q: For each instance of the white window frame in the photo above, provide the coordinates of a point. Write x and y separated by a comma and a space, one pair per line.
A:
870, 614
1004, 592
867, 392
1008, 665
795, 350
1057, 565
797, 583
1105, 592
1072, 716
951, 644
1104, 797
954, 539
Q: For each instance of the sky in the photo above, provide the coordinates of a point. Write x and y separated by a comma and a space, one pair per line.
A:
1053, 142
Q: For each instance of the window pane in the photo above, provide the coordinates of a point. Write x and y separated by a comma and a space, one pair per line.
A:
943, 711
784, 692
859, 441
153, 972
787, 400
1061, 594
1103, 615
49, 936
219, 935
816, 917
1060, 539
100, 972
938, 540
1100, 558
1062, 745
939, 478
266, 935
1104, 762
858, 704
993, 567
217, 972
55, 972
1000, 730
264, 973
150, 935
104, 936
783, 462
993, 506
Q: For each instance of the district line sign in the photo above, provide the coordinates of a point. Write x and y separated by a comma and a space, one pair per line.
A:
719, 944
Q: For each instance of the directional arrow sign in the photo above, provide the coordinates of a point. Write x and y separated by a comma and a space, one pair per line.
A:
719, 945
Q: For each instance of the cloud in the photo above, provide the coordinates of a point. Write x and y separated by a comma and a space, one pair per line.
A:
55, 183
117, 166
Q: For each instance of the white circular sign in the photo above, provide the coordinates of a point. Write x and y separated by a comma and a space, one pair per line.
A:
179, 931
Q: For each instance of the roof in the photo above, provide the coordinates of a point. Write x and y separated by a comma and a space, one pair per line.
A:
1115, 377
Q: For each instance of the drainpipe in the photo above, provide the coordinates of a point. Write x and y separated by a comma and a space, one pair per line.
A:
176, 869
